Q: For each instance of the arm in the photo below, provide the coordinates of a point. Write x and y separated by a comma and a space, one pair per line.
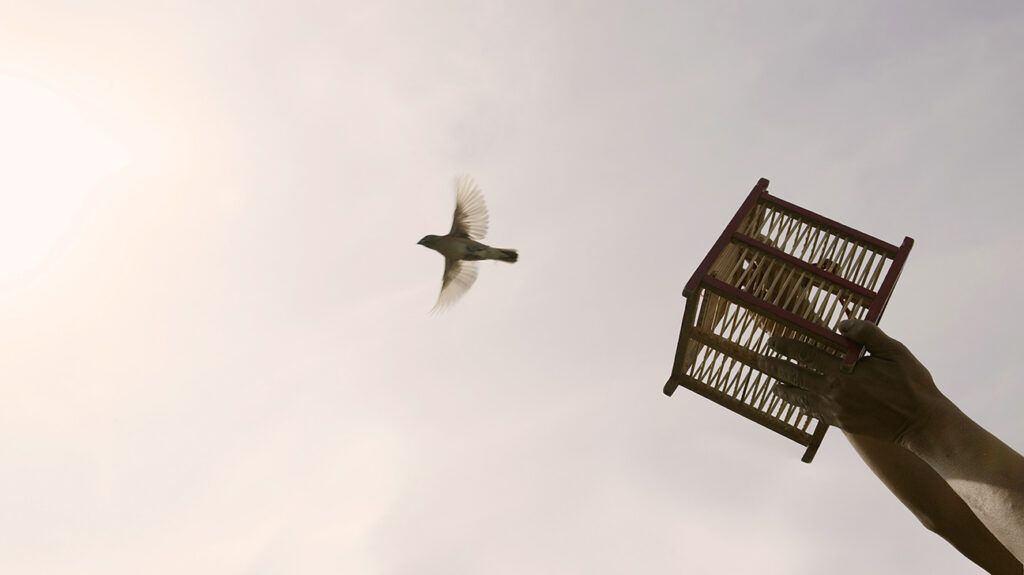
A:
927, 495
985, 472
891, 397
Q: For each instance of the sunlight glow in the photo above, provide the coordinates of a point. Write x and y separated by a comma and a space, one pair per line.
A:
51, 157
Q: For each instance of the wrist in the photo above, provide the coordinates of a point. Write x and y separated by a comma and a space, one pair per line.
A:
933, 419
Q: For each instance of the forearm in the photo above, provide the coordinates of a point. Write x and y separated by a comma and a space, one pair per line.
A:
927, 495
985, 472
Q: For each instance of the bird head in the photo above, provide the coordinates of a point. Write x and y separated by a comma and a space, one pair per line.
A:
427, 241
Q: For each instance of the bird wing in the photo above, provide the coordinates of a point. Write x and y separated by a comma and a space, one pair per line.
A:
459, 276
470, 220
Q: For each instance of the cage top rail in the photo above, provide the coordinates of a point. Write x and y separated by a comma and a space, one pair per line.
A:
831, 225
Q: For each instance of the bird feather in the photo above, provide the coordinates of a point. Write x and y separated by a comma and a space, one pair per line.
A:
459, 276
470, 219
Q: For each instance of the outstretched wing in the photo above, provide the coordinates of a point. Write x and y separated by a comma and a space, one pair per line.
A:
470, 220
459, 276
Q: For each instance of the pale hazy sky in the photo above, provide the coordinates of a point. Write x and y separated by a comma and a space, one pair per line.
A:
220, 358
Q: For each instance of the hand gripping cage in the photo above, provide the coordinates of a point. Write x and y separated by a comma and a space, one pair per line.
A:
778, 270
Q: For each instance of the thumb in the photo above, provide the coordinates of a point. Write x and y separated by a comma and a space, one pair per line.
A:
872, 338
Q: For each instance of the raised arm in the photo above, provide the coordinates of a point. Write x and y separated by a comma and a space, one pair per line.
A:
927, 495
985, 472
892, 398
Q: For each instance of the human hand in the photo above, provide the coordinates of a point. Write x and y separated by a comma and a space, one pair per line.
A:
889, 395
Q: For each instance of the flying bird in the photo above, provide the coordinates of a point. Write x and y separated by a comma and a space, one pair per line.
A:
461, 246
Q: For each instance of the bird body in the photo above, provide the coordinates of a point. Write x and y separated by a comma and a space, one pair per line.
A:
468, 250
461, 246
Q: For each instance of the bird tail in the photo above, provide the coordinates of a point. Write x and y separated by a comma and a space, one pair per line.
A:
503, 255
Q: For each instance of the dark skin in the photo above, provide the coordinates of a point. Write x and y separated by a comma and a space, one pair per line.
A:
927, 495
962, 482
888, 393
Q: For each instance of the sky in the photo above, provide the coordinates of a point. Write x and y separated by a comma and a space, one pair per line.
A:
218, 352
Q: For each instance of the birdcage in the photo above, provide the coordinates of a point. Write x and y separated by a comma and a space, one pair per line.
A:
778, 270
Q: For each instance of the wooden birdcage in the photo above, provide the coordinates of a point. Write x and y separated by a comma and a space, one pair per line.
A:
778, 270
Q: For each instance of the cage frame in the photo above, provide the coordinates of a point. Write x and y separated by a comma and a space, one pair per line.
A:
702, 279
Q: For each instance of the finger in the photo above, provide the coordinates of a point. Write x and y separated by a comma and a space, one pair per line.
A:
872, 337
792, 374
804, 353
811, 403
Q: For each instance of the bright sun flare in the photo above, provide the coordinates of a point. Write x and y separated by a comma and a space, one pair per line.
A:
51, 157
